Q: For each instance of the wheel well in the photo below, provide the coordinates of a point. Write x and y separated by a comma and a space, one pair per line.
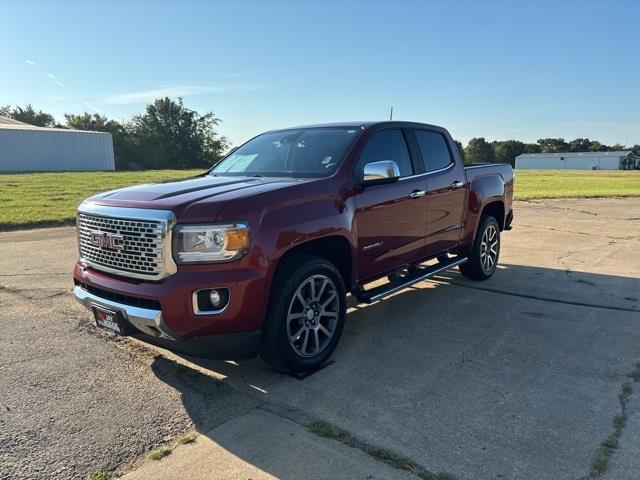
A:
334, 249
496, 210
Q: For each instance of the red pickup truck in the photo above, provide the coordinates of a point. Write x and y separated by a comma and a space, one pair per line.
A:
259, 253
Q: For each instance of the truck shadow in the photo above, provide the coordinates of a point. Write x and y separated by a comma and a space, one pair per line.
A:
414, 352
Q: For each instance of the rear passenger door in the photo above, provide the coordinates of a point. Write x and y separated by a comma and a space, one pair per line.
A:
390, 218
446, 191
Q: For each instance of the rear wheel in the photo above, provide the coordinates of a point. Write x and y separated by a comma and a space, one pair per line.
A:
306, 314
483, 257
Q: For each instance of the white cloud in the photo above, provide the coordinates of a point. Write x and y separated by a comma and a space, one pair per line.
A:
30, 62
144, 96
57, 80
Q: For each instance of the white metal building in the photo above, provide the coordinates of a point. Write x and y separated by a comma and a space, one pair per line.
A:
622, 160
25, 148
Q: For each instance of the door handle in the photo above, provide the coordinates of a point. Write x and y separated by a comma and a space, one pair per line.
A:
456, 185
417, 194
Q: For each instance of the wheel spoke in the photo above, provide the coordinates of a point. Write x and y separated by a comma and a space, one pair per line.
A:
324, 330
324, 313
296, 336
305, 341
301, 298
317, 340
329, 300
322, 287
312, 293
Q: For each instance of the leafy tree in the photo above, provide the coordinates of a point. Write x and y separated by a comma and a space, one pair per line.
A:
93, 122
100, 123
506, 151
532, 148
596, 146
579, 145
479, 150
636, 149
169, 135
553, 145
617, 147
460, 148
28, 115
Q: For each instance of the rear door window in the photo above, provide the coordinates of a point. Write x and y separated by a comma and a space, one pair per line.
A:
434, 150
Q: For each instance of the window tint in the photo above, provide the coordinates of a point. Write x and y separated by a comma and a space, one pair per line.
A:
433, 148
388, 145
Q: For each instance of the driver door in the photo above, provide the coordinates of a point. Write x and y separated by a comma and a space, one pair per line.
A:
390, 218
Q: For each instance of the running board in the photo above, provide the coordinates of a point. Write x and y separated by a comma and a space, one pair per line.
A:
414, 276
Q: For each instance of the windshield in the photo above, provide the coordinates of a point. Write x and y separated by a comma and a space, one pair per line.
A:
305, 152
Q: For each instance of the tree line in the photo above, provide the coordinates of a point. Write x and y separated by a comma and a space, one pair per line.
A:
169, 135
165, 135
505, 151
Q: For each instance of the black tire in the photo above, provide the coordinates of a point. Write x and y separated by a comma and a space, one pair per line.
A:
303, 272
478, 267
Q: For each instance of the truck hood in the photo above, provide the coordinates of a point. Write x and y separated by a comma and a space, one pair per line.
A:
193, 199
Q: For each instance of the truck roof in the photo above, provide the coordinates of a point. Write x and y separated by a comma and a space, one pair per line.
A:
360, 124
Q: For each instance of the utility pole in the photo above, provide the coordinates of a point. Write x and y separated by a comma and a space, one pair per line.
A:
391, 114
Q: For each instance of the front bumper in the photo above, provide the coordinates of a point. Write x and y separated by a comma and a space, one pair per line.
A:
145, 320
162, 312
149, 326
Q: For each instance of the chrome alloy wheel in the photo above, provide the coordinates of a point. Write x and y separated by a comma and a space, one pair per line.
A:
313, 315
489, 249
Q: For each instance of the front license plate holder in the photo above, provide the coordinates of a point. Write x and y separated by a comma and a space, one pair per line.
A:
108, 319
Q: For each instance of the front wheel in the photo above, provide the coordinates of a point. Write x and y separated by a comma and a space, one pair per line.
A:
483, 257
306, 314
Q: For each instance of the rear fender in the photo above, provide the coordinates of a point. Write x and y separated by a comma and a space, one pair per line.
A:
483, 191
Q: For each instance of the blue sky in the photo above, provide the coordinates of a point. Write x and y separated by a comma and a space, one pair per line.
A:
500, 70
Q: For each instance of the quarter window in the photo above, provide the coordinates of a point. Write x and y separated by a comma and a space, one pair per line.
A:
434, 150
388, 145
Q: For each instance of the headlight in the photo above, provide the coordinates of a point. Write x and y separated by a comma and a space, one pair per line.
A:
210, 243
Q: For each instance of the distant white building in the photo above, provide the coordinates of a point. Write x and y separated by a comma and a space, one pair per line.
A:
25, 148
622, 160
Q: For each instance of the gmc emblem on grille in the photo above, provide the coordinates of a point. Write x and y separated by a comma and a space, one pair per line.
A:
107, 240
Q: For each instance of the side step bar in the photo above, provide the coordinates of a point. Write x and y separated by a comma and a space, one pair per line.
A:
414, 276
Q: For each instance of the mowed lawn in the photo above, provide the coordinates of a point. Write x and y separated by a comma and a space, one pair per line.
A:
52, 198
32, 199
537, 184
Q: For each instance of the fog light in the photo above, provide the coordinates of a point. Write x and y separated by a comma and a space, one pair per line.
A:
210, 300
215, 298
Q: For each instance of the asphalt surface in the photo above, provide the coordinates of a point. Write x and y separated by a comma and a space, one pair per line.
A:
517, 377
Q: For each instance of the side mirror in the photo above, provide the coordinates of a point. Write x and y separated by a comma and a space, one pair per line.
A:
384, 171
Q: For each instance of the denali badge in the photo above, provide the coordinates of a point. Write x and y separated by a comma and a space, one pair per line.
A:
373, 245
107, 240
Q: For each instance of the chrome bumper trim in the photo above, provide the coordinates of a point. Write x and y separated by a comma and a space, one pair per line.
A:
144, 319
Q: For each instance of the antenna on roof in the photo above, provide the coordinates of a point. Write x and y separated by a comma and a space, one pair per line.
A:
391, 114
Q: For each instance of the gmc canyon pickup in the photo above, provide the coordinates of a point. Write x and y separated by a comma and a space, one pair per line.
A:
258, 254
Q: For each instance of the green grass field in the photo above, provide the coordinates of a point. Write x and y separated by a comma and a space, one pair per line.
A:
52, 198
537, 184
31, 199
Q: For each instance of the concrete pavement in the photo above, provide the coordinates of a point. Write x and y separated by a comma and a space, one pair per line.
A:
517, 377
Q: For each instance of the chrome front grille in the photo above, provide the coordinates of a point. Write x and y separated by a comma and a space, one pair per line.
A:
127, 241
